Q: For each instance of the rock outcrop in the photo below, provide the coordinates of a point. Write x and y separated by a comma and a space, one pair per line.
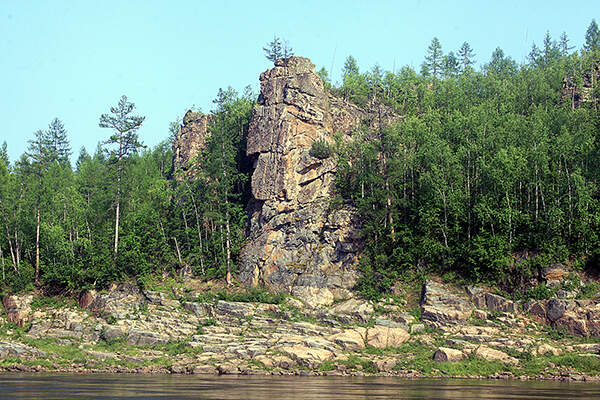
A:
439, 306
18, 308
191, 139
296, 240
578, 317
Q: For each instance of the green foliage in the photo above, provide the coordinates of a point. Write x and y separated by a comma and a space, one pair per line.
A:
589, 290
249, 295
277, 49
321, 149
540, 292
483, 166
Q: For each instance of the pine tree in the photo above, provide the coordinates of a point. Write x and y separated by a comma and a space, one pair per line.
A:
434, 58
450, 65
551, 50
39, 154
59, 149
592, 37
126, 142
563, 45
466, 57
274, 50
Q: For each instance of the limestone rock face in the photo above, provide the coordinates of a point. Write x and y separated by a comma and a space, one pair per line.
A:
295, 239
191, 139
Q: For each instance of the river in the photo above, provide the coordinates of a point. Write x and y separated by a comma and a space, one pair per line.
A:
67, 386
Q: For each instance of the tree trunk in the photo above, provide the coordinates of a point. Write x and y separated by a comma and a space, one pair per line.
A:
198, 226
118, 201
37, 233
178, 252
10, 245
227, 230
2, 261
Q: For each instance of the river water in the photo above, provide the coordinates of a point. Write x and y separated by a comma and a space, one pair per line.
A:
66, 386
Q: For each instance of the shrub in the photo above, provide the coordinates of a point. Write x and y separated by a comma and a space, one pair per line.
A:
321, 149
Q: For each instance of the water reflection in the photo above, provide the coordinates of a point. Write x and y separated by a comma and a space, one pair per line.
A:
64, 386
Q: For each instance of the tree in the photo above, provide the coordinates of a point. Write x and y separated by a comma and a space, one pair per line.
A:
551, 50
535, 55
466, 57
59, 149
592, 37
450, 65
83, 157
287, 51
38, 153
125, 140
278, 49
273, 50
563, 45
501, 64
434, 58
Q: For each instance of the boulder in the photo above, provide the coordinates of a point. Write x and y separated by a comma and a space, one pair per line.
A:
313, 297
142, 337
555, 309
547, 349
494, 302
487, 353
119, 301
205, 370
19, 350
307, 356
445, 354
350, 339
554, 274
18, 308
198, 309
381, 336
439, 306
359, 309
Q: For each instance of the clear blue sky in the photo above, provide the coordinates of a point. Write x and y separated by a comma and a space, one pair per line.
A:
73, 59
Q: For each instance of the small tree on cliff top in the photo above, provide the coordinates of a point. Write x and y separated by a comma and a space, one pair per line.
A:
278, 49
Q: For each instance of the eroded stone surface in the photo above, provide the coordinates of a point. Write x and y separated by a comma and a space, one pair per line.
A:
446, 354
18, 308
295, 239
439, 306
190, 140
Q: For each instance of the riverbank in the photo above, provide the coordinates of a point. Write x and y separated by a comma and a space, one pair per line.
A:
191, 327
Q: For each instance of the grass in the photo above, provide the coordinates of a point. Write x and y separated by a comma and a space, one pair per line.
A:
53, 302
589, 290
249, 295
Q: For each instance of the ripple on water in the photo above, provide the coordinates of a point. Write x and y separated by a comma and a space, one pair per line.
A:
67, 386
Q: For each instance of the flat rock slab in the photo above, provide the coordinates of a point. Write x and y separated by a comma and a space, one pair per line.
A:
19, 350
439, 306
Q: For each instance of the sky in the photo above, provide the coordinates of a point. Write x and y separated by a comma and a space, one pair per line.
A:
73, 59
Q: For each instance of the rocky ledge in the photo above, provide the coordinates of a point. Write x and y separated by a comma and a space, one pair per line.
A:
436, 330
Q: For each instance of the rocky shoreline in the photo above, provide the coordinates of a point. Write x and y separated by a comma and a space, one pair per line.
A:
435, 330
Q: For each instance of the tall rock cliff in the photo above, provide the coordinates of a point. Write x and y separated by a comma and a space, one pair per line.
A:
297, 242
191, 139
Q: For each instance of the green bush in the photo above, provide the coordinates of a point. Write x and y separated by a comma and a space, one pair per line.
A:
321, 149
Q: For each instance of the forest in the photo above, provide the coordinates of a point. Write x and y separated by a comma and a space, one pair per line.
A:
487, 172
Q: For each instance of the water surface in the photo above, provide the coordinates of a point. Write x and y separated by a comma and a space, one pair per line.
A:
67, 386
